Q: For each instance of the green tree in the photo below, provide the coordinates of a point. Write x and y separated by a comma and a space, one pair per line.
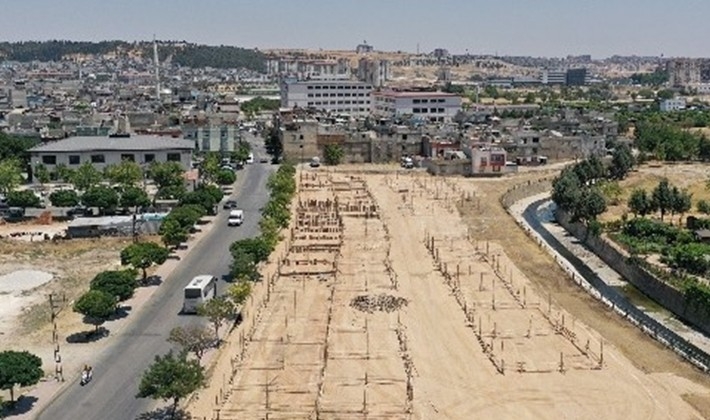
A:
662, 197
200, 198
213, 190
242, 152
226, 177
187, 215
120, 284
172, 233
566, 190
142, 255
210, 167
86, 177
132, 196
64, 173
168, 176
591, 205
194, 339
10, 175
681, 202
640, 203
42, 174
269, 231
243, 266
171, 378
274, 143
703, 206
239, 292
101, 197
256, 247
97, 307
621, 162
333, 154
217, 311
19, 368
64, 198
16, 147
126, 174
24, 199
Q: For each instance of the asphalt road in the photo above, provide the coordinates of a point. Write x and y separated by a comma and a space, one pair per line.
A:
118, 369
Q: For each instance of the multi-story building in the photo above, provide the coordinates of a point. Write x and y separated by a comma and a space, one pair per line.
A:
304, 69
430, 106
213, 138
553, 77
670, 105
339, 96
576, 77
104, 151
374, 72
486, 160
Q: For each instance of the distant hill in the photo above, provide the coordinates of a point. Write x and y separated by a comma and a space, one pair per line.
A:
182, 53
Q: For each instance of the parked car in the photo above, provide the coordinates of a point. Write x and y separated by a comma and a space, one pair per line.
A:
230, 204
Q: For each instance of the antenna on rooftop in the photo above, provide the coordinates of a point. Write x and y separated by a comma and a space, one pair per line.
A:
157, 67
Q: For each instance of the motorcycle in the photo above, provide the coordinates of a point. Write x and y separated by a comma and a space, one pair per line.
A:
85, 377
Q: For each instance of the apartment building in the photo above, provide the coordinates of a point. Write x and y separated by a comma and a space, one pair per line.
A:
374, 72
220, 138
430, 106
670, 105
338, 96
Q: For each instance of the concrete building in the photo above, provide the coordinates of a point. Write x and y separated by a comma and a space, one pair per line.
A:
670, 105
364, 48
576, 77
488, 160
430, 106
213, 138
104, 151
533, 147
373, 72
553, 77
344, 97
308, 69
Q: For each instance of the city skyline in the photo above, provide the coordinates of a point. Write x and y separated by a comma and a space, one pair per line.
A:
551, 28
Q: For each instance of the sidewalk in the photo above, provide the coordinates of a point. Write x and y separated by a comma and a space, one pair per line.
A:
75, 355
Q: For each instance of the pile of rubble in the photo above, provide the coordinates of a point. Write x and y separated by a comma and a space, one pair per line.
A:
380, 303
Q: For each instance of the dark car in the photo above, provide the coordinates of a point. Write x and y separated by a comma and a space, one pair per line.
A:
230, 204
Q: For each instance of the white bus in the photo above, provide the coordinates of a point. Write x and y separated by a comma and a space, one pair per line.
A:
200, 290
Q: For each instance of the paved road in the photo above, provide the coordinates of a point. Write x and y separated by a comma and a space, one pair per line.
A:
111, 395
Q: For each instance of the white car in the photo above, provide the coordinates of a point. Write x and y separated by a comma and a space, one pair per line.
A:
236, 217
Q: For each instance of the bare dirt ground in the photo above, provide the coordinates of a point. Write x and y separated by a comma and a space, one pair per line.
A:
692, 177
385, 303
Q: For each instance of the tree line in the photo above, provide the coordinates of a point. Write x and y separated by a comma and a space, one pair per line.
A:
577, 189
190, 55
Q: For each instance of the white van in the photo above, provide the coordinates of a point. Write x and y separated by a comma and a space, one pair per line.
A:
250, 159
198, 291
236, 218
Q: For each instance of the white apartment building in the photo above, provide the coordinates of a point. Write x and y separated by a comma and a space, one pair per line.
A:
431, 106
340, 96
675, 104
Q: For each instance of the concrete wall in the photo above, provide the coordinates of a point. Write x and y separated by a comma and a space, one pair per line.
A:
653, 287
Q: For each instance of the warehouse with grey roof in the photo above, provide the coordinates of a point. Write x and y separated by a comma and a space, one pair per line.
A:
104, 151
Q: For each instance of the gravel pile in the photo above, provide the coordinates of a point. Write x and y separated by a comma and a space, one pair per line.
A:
379, 303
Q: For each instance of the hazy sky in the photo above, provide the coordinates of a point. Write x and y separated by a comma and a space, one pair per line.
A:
508, 27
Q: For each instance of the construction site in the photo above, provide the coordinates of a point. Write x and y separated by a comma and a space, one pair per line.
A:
382, 303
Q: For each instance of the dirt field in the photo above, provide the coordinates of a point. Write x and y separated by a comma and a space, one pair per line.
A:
387, 304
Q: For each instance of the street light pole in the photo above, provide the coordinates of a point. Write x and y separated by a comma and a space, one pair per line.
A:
301, 173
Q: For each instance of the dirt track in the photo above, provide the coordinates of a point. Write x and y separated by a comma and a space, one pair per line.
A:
474, 337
